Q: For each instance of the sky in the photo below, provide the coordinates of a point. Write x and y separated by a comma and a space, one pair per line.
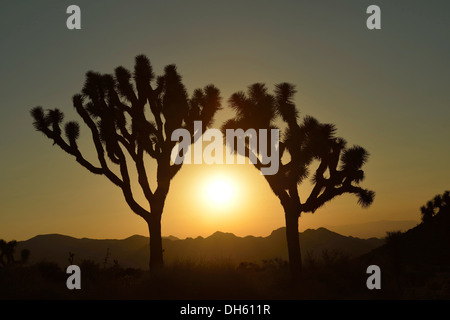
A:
386, 90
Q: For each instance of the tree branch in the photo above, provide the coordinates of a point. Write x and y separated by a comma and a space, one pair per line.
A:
329, 193
142, 175
72, 150
126, 185
78, 104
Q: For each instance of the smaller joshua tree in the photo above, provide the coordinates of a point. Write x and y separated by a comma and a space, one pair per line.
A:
435, 207
339, 168
7, 251
71, 258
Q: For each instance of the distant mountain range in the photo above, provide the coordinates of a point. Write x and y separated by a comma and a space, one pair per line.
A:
377, 229
134, 251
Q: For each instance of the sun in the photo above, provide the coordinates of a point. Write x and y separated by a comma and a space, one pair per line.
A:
219, 192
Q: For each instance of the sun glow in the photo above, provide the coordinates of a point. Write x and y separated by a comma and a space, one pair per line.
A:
219, 192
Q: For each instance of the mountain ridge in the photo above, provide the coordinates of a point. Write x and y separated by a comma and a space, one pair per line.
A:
377, 229
133, 251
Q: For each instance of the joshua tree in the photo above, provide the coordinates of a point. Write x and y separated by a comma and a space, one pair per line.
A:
24, 256
435, 207
2, 251
71, 258
7, 250
130, 123
339, 168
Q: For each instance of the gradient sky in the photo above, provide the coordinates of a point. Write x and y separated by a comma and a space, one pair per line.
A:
386, 90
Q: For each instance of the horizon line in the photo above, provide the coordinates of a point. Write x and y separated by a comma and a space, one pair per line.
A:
327, 227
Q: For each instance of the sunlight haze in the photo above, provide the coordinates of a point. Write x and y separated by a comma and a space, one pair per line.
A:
385, 90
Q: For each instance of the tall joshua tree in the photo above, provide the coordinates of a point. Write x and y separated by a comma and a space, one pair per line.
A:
338, 171
131, 123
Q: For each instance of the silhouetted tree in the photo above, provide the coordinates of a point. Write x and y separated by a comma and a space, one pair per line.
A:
427, 212
105, 261
339, 168
71, 258
7, 250
128, 122
24, 255
436, 207
2, 251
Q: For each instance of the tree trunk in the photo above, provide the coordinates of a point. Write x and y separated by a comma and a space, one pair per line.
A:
293, 244
156, 251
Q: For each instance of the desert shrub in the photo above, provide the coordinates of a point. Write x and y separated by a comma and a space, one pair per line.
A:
50, 271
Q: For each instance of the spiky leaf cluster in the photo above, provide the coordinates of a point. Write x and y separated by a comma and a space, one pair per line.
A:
128, 110
130, 114
435, 207
303, 142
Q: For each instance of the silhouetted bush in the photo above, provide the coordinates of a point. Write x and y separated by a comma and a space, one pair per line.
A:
327, 275
50, 271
